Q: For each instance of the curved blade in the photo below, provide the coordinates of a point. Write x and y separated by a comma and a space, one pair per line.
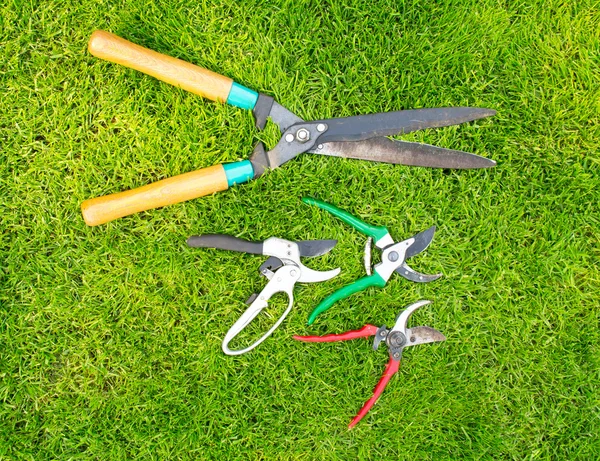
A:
310, 248
362, 127
410, 274
422, 241
310, 276
423, 335
403, 153
403, 317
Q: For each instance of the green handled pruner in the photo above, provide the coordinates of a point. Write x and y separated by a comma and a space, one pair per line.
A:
393, 257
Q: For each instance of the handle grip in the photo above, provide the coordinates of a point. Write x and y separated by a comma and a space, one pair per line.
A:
377, 232
197, 80
183, 187
374, 280
189, 77
390, 370
177, 189
225, 242
364, 332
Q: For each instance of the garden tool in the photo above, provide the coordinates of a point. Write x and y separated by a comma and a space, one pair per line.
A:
393, 257
359, 137
396, 340
283, 269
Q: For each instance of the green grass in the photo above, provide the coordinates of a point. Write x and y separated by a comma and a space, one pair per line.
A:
110, 336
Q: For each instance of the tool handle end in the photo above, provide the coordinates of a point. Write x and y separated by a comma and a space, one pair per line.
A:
180, 188
390, 370
189, 77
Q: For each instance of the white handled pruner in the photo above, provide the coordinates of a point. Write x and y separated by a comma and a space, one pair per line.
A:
283, 269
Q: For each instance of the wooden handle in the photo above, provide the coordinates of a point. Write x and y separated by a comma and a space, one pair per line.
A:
189, 77
186, 186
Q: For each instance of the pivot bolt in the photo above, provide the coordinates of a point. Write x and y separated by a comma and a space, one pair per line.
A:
393, 256
396, 339
302, 135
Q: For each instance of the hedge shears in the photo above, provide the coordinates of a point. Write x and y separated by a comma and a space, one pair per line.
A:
393, 256
396, 339
359, 137
283, 269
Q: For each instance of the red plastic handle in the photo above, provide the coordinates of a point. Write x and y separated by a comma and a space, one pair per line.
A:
390, 370
367, 330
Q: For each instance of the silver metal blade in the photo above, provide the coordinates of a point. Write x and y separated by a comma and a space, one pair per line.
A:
308, 275
403, 153
423, 335
362, 127
410, 274
403, 317
310, 248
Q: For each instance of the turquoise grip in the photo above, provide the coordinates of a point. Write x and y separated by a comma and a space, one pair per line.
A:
242, 97
377, 232
374, 280
238, 172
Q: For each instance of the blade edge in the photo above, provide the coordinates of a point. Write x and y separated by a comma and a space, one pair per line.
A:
384, 150
311, 248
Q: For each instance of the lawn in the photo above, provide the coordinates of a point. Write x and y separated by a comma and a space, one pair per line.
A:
110, 336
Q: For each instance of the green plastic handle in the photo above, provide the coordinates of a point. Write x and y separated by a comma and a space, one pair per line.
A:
374, 280
377, 232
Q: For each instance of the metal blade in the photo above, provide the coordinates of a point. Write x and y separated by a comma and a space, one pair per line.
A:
422, 241
308, 275
283, 117
267, 107
225, 242
410, 274
423, 335
403, 317
310, 248
362, 127
303, 137
403, 153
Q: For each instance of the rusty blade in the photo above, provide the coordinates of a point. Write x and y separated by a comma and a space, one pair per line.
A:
403, 153
423, 335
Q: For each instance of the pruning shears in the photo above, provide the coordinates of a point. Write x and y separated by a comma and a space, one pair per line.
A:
393, 257
359, 137
396, 339
283, 269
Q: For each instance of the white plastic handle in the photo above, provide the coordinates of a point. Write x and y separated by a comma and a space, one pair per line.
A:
282, 281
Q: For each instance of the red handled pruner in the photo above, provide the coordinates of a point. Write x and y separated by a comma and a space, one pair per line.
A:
396, 340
